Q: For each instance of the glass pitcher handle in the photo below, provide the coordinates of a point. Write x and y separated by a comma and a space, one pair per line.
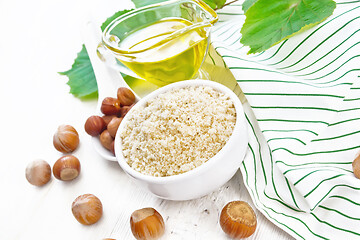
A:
109, 59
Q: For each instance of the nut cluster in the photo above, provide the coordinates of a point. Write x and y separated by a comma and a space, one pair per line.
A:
67, 167
237, 218
114, 110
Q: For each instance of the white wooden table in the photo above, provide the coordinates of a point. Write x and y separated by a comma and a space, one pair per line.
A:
38, 39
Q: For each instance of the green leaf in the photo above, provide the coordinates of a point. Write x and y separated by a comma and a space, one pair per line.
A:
113, 17
247, 4
142, 3
269, 22
81, 76
215, 4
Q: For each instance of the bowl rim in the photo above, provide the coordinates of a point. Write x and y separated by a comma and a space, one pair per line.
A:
239, 123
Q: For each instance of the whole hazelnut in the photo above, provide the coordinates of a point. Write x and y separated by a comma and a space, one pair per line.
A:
87, 209
94, 125
66, 168
238, 220
147, 223
113, 126
125, 96
110, 106
106, 139
38, 172
66, 139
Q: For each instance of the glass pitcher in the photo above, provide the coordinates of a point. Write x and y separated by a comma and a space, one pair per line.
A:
161, 43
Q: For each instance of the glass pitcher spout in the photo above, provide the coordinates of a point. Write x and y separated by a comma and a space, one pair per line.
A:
209, 10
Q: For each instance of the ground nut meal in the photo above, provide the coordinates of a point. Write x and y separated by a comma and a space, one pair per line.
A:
178, 130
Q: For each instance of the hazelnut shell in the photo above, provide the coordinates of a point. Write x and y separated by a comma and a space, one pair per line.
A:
66, 139
94, 125
238, 220
125, 96
67, 168
147, 223
87, 209
356, 165
106, 139
113, 126
110, 106
38, 172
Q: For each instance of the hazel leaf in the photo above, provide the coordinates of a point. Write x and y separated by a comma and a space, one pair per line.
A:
142, 3
215, 4
81, 76
113, 17
269, 22
247, 4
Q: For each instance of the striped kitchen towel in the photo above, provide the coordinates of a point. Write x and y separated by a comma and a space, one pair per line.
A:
303, 113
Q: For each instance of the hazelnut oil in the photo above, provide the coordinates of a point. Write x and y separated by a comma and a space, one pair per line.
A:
166, 51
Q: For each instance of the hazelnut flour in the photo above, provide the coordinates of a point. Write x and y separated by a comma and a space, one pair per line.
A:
178, 131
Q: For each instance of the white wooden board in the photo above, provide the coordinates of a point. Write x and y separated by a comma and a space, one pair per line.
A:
38, 39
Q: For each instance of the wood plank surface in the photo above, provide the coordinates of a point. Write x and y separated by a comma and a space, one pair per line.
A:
40, 38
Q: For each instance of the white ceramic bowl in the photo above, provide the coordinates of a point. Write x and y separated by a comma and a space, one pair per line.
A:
209, 176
